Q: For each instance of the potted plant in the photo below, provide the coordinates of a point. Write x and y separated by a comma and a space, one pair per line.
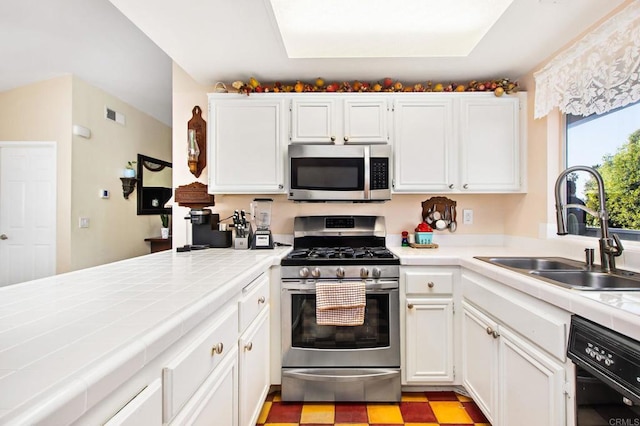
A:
164, 231
129, 170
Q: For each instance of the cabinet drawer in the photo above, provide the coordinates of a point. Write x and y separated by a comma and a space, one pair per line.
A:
188, 370
255, 297
428, 282
144, 409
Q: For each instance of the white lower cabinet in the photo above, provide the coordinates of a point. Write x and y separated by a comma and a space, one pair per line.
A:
429, 340
254, 369
215, 402
144, 409
513, 363
428, 324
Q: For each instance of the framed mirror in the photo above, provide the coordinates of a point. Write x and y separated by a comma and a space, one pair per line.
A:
154, 185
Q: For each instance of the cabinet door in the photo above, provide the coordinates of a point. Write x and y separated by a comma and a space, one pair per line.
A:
215, 402
429, 340
480, 360
313, 121
490, 144
365, 121
246, 146
522, 366
424, 145
254, 369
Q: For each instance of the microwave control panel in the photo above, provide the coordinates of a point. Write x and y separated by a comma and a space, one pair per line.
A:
379, 173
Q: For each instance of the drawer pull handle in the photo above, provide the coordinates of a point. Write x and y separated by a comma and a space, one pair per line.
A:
489, 330
410, 306
430, 284
217, 349
261, 300
495, 334
248, 346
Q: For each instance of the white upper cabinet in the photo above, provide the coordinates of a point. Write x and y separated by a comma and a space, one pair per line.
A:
339, 120
246, 147
459, 142
424, 144
490, 144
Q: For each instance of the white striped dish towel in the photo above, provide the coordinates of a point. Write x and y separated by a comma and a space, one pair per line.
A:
340, 303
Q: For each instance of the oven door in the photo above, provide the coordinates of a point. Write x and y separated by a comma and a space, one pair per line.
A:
376, 343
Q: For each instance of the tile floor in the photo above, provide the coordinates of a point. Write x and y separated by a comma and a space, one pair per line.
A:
415, 409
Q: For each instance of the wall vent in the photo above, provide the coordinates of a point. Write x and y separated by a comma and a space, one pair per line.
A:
112, 115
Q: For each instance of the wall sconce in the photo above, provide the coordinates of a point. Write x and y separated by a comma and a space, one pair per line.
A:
128, 185
197, 142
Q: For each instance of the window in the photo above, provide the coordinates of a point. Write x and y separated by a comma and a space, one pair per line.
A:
610, 143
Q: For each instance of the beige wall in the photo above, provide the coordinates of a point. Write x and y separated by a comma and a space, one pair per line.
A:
116, 231
46, 111
42, 112
402, 212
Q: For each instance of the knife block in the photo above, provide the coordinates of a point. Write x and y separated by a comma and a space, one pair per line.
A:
244, 243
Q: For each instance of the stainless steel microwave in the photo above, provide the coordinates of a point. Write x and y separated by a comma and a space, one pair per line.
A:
339, 172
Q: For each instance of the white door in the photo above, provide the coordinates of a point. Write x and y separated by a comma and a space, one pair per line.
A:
254, 369
27, 211
365, 121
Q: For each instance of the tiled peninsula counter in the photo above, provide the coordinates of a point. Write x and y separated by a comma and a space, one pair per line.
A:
68, 341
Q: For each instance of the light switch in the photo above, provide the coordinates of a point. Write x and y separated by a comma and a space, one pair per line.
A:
84, 222
467, 216
104, 193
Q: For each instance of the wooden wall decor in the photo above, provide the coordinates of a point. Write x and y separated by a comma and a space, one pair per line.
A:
440, 213
194, 195
198, 124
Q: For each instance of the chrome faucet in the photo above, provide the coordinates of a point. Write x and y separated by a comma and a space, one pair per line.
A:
608, 250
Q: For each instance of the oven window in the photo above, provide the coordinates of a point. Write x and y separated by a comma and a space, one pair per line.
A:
305, 333
335, 174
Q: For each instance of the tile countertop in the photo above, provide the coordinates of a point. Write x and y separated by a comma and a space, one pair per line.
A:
617, 310
68, 340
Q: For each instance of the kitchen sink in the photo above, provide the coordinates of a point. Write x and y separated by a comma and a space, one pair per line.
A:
534, 263
568, 273
591, 280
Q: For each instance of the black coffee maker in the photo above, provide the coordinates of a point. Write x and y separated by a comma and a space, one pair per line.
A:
204, 230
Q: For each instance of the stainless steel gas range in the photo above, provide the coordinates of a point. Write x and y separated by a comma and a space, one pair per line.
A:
340, 363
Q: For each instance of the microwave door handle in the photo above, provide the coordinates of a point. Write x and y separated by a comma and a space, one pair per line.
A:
367, 173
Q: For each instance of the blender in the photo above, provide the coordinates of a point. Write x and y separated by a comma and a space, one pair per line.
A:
262, 238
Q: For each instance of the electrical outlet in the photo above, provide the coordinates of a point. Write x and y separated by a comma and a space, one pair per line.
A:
83, 222
467, 216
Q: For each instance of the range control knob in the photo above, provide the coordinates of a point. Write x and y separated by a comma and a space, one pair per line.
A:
315, 272
340, 272
608, 362
364, 272
304, 272
376, 272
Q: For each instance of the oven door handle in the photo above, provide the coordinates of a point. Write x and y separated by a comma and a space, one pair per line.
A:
317, 375
376, 287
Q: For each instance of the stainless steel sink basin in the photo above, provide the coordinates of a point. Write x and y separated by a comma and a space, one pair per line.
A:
534, 263
591, 280
568, 273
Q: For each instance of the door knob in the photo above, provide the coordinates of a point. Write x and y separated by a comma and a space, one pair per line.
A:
4, 237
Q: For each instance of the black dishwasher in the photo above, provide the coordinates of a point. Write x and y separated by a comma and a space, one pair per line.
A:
607, 375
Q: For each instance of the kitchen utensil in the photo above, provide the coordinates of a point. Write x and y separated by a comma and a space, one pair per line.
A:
453, 225
441, 224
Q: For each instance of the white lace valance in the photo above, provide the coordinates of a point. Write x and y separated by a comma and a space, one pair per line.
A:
598, 73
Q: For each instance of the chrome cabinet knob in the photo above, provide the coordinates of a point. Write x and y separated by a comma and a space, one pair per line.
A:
450, 186
280, 186
4, 237
410, 306
495, 334
489, 330
340, 272
248, 346
333, 138
315, 273
346, 138
261, 300
430, 284
465, 186
304, 272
